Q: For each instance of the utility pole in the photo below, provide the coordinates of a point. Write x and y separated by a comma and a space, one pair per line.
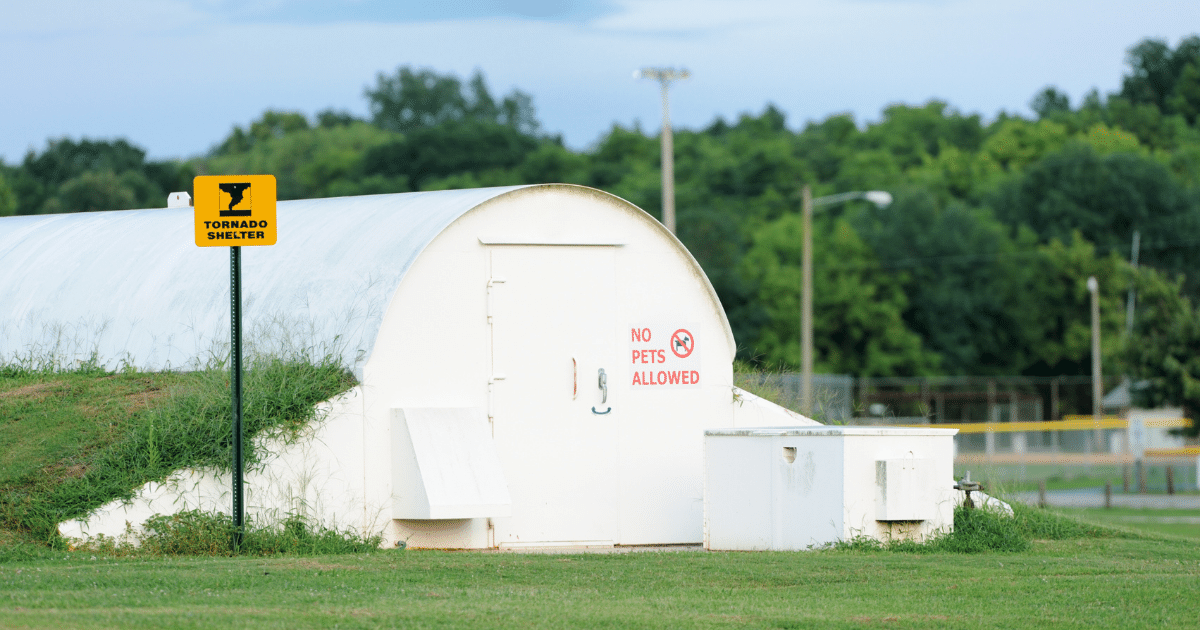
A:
1130, 306
665, 76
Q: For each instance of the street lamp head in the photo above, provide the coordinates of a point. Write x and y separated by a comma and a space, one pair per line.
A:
880, 198
1093, 285
663, 75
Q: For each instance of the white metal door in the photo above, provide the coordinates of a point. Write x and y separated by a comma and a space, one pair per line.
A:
552, 311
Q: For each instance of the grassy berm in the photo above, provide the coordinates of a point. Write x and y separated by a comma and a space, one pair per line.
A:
75, 440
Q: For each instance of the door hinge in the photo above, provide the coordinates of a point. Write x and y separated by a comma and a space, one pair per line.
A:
491, 283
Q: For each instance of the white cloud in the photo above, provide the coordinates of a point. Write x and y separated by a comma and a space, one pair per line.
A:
119, 18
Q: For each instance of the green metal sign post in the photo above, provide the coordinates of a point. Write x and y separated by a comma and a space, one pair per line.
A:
235, 389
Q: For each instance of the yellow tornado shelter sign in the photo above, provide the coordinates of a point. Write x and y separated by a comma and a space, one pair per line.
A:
235, 210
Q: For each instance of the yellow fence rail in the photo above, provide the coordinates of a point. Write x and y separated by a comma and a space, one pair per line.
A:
1068, 423
1187, 451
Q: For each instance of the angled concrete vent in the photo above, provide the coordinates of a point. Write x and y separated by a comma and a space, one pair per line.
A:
444, 465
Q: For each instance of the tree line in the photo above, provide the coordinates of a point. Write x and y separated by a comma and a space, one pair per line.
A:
979, 266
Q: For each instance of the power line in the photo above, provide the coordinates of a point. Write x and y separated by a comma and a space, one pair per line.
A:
921, 261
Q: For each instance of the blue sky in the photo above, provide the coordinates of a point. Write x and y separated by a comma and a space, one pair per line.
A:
174, 76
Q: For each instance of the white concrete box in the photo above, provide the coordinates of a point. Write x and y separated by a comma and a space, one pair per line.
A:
792, 488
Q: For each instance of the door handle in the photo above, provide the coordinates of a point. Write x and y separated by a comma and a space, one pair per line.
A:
602, 382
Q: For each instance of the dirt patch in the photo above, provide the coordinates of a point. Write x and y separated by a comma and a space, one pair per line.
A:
8, 537
137, 401
76, 471
65, 471
36, 391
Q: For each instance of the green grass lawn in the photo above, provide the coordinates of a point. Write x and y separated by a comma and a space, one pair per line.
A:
1170, 523
74, 440
1097, 583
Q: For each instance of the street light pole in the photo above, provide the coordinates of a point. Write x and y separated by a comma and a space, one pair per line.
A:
1133, 263
806, 315
877, 197
1097, 387
665, 76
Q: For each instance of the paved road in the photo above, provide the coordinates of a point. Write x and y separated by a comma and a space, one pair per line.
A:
1094, 498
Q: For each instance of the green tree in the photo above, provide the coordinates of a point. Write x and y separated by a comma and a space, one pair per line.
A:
1017, 143
40, 175
750, 160
1155, 70
1185, 97
413, 99
331, 118
824, 146
8, 198
272, 124
1056, 304
857, 324
625, 162
910, 134
424, 154
961, 276
102, 190
1050, 103
116, 172
1105, 198
309, 162
453, 134
956, 175
553, 163
1152, 126
719, 243
1104, 140
1163, 354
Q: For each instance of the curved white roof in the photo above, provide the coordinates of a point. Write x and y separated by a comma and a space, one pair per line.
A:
132, 285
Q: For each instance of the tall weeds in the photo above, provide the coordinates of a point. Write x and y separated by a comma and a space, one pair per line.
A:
983, 530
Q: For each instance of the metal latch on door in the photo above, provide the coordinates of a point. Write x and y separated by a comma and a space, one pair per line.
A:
603, 383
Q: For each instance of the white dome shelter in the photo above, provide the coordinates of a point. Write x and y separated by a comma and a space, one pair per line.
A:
478, 323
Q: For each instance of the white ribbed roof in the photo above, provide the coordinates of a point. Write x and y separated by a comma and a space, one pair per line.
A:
132, 285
